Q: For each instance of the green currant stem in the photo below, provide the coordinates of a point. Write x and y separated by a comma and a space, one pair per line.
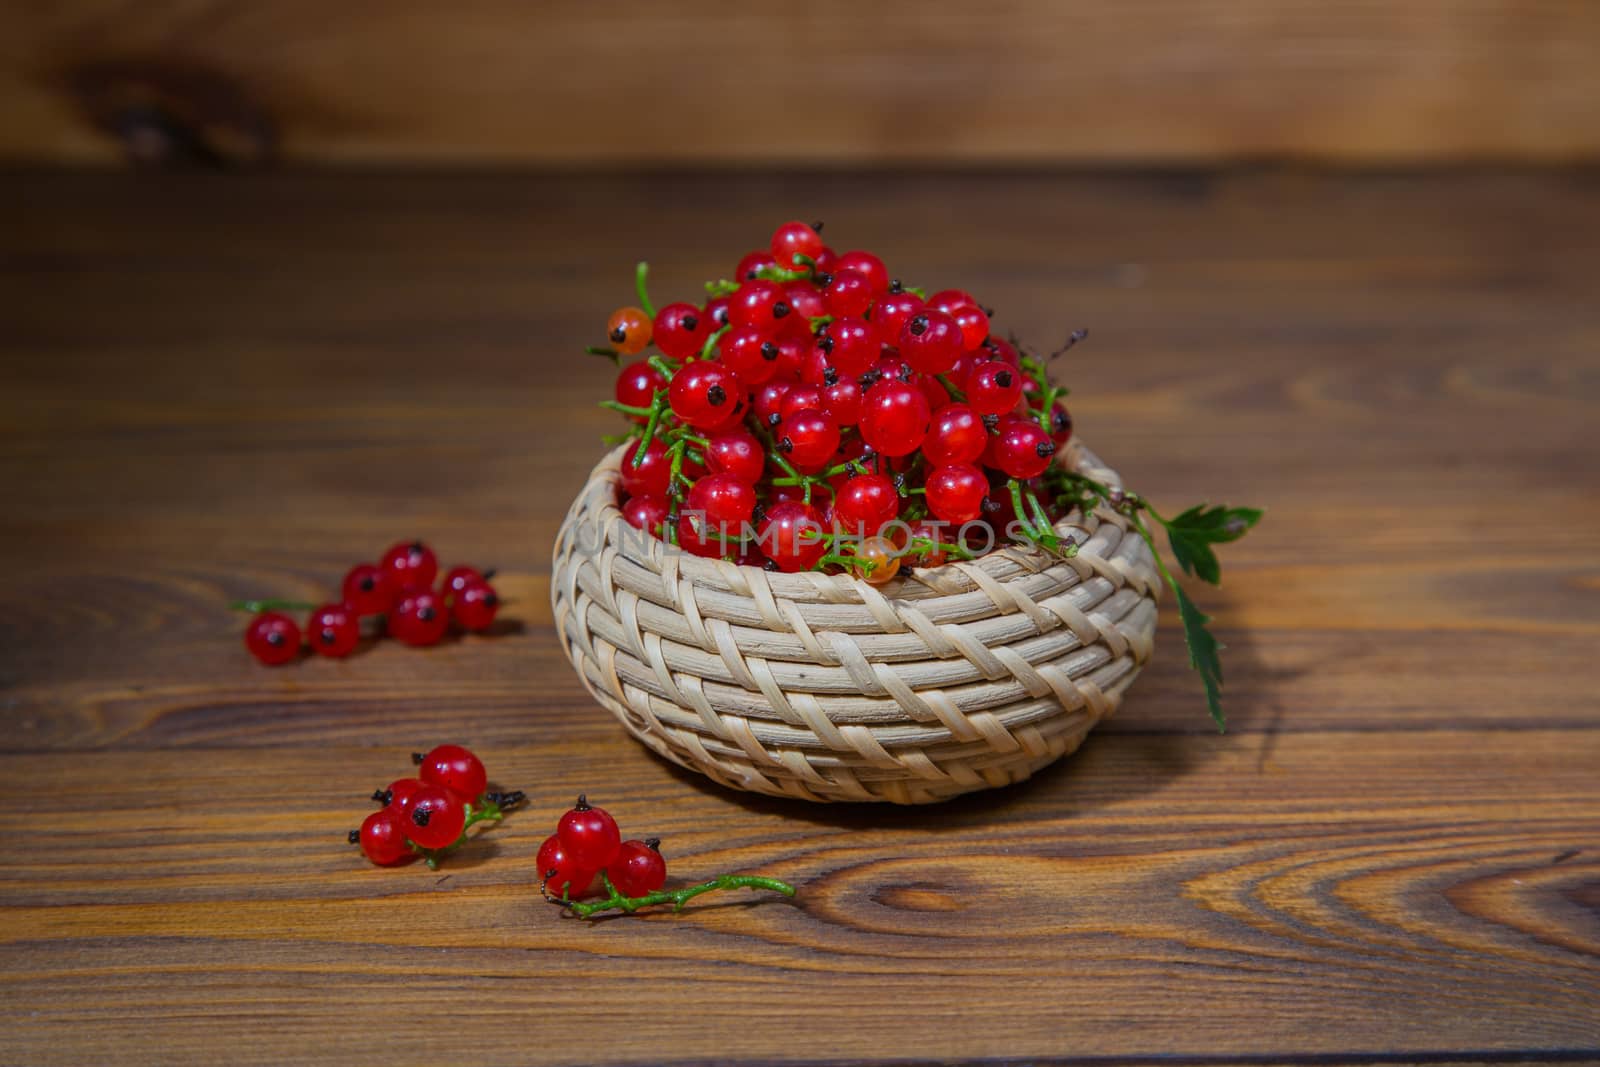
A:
918, 290
640, 274
1047, 534
928, 544
615, 901
778, 274
664, 366
721, 287
255, 606
950, 387
1047, 402
656, 409
711, 342
602, 350
819, 321
1021, 512
627, 409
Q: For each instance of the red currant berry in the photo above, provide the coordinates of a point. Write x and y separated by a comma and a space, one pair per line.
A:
419, 619
629, 330
1004, 351
646, 512
761, 304
400, 794
704, 393
1022, 449
827, 260
801, 397
382, 838
716, 310
808, 439
866, 503
841, 401
732, 419
475, 607
794, 239
974, 326
965, 364
589, 835
680, 331
738, 453
930, 342
805, 300
1060, 425
272, 638
869, 267
456, 769
947, 300
334, 630
955, 493
636, 387
848, 292
993, 388
932, 388
891, 313
750, 353
794, 348
410, 566
958, 436
753, 263
791, 535
724, 504
651, 474
458, 578
882, 556
561, 876
367, 590
436, 818
851, 345
638, 868
894, 417
769, 401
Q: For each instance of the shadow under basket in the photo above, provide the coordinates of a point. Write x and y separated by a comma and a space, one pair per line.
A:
944, 680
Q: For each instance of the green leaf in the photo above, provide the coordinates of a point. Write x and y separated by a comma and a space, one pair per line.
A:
1203, 649
1193, 532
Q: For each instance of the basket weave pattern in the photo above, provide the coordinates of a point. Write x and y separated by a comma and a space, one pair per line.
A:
822, 687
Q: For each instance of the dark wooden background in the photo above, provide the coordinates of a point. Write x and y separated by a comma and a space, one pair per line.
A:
214, 387
572, 82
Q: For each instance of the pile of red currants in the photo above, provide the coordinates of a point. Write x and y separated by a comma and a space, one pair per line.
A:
398, 591
429, 814
816, 413
586, 843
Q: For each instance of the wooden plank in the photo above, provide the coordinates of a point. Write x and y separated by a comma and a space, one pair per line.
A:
496, 81
212, 389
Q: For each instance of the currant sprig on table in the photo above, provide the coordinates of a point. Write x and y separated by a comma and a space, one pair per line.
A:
816, 413
429, 816
587, 846
395, 596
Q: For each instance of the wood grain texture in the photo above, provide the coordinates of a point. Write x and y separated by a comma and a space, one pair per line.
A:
213, 388
496, 81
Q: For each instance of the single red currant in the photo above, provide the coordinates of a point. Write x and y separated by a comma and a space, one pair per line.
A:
1060, 425
997, 348
703, 394
272, 638
334, 630
410, 566
794, 348
399, 795
458, 578
725, 504
794, 239
827, 260
808, 439
894, 417
791, 535
629, 330
1022, 449
866, 503
869, 267
436, 818
367, 590
647, 512
850, 344
761, 304
957, 436
455, 768
750, 353
419, 619
680, 331
716, 310
955, 493
841, 401
801, 397
382, 838
589, 835
848, 292
805, 299
651, 474
947, 300
753, 263
638, 868
974, 326
932, 388
891, 312
738, 453
636, 387
930, 341
769, 401
559, 874
882, 557
475, 607
993, 388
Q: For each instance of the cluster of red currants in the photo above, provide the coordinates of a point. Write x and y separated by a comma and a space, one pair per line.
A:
817, 413
398, 590
429, 814
587, 842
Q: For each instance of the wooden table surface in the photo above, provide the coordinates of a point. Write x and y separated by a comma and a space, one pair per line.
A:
216, 387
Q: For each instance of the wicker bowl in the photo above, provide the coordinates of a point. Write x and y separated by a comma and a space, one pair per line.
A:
942, 681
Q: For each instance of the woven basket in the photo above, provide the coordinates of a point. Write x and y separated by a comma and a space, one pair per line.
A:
942, 681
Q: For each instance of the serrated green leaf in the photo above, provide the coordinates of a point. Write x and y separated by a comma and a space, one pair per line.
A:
1193, 532
1203, 653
